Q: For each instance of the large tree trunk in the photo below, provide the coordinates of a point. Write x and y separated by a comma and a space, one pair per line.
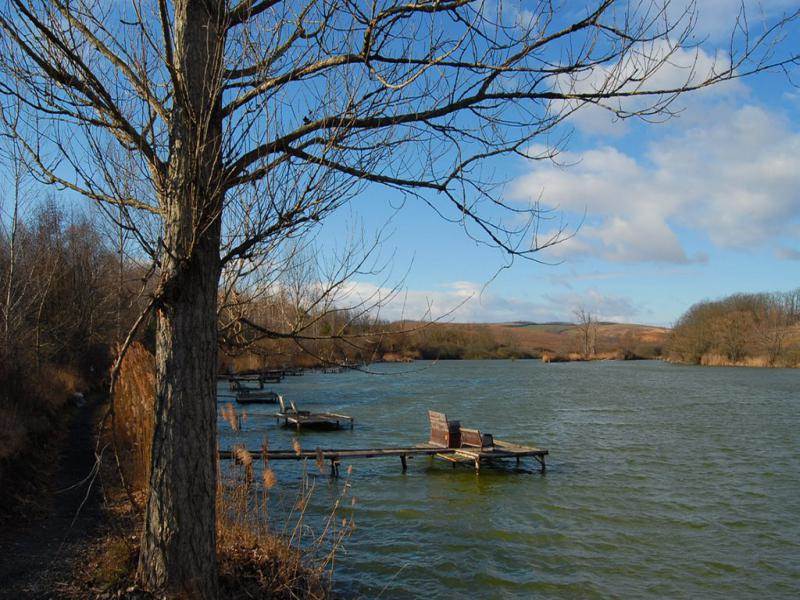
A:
178, 551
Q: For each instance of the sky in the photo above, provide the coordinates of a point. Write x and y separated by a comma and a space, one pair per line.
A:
665, 214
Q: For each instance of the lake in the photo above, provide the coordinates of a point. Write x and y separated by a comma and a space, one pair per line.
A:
663, 481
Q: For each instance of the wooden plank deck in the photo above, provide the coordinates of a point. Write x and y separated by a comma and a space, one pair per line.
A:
256, 397
476, 456
309, 419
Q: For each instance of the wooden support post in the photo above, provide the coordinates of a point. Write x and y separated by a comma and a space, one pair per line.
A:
334, 468
518, 462
477, 465
542, 467
404, 463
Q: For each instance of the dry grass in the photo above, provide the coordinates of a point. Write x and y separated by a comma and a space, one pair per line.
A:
30, 403
32, 416
254, 557
133, 421
255, 560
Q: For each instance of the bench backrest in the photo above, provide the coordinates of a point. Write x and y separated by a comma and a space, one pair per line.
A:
474, 438
443, 432
439, 430
281, 403
294, 408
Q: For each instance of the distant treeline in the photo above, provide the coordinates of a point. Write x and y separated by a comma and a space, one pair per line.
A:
553, 340
340, 337
748, 329
450, 341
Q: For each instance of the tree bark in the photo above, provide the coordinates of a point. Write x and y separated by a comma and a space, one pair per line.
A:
178, 550
178, 553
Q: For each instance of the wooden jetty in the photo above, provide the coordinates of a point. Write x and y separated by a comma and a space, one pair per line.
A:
238, 382
260, 377
468, 447
271, 376
292, 417
247, 396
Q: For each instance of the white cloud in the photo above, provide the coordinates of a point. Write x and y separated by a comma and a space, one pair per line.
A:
657, 65
605, 307
734, 178
716, 19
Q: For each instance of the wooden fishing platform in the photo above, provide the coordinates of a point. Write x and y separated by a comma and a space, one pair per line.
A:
292, 417
246, 396
261, 377
485, 452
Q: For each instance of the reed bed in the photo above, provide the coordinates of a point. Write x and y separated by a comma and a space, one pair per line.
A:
133, 420
263, 550
302, 556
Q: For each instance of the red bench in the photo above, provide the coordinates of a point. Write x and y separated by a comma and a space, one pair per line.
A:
473, 438
444, 433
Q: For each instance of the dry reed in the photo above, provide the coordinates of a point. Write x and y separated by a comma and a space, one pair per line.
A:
134, 404
295, 562
255, 558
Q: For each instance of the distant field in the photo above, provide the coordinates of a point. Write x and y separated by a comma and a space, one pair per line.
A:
566, 337
530, 340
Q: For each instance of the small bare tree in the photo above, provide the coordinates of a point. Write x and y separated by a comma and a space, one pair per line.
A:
246, 122
587, 329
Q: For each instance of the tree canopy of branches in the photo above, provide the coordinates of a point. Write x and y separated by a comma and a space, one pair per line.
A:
741, 326
214, 130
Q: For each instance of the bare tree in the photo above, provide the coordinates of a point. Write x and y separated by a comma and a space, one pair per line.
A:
16, 291
246, 122
587, 328
774, 316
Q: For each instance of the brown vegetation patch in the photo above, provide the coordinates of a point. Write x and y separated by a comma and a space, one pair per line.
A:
134, 403
33, 405
254, 561
758, 330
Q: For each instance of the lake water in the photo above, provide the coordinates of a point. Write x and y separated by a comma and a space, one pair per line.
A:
663, 481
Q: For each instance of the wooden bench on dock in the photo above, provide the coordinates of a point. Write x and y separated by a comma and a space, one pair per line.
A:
472, 446
305, 418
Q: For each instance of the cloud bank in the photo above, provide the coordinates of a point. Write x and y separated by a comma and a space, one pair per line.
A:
734, 179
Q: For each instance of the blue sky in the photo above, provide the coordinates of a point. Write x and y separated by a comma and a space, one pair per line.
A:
699, 207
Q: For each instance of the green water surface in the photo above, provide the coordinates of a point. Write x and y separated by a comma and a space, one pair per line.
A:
663, 481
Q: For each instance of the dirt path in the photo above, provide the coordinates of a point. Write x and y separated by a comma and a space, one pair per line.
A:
36, 556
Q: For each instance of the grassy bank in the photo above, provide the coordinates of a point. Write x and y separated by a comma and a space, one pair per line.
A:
34, 409
254, 560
